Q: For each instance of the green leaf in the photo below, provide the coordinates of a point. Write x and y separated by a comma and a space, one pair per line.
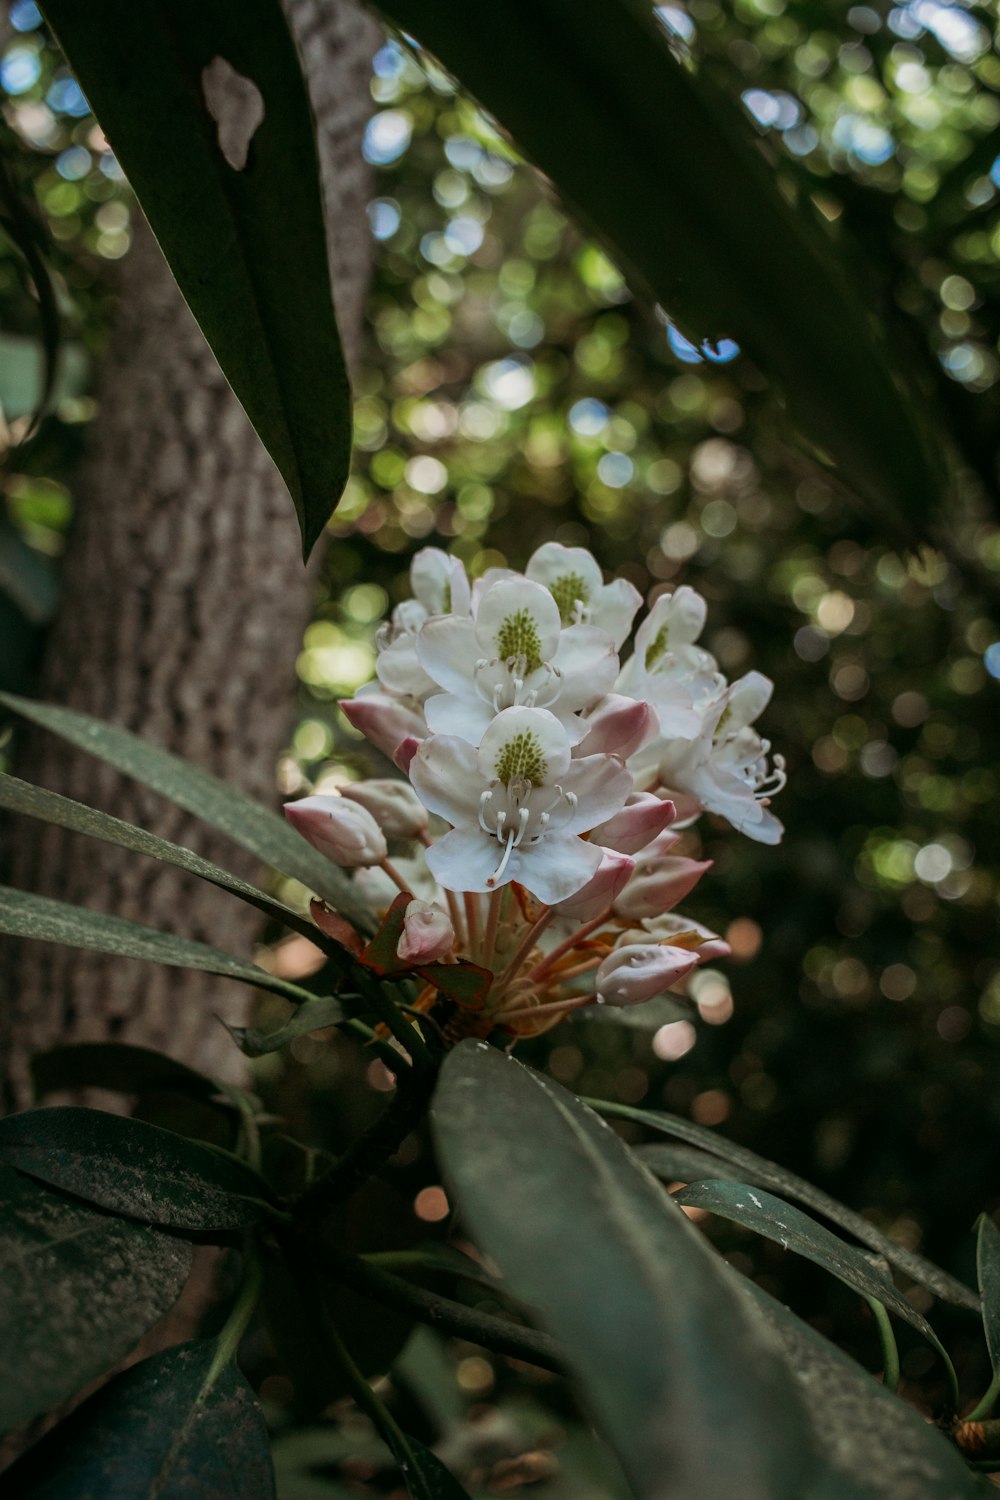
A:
643, 1308
167, 1429
988, 1270
762, 1173
313, 1015
27, 577
118, 1066
36, 802
23, 914
666, 169
793, 1230
248, 823
78, 1289
22, 224
246, 246
132, 1168
872, 1445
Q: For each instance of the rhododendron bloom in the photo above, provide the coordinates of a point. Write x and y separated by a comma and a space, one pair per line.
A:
574, 580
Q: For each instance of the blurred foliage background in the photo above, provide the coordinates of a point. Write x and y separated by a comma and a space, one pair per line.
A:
514, 392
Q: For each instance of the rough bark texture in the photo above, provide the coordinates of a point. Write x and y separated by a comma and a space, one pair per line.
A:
183, 605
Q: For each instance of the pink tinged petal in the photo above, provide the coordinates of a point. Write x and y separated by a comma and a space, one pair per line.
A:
619, 726
445, 777
448, 651
447, 713
517, 598
614, 609
383, 720
670, 923
639, 972
597, 895
556, 867
404, 753
601, 786
659, 885
344, 831
427, 934
642, 819
587, 663
398, 669
534, 728
393, 804
466, 860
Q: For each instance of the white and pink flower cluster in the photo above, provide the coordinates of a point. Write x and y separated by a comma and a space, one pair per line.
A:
547, 783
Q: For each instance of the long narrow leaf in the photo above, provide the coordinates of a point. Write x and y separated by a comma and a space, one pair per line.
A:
248, 823
23, 914
246, 244
661, 164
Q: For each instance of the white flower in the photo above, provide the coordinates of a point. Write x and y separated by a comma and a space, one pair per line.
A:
575, 581
344, 831
513, 653
668, 670
440, 587
517, 805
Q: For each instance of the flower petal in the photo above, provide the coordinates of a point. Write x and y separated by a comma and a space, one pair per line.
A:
601, 785
446, 778
447, 650
518, 618
466, 860
557, 866
615, 608
587, 662
468, 718
524, 742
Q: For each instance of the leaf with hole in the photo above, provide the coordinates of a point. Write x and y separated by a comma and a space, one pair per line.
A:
762, 1173
132, 1168
78, 1289
23, 914
235, 204
169, 1428
248, 823
642, 1306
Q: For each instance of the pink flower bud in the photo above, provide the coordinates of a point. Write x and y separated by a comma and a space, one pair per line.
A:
344, 831
619, 726
394, 805
404, 753
383, 719
427, 934
599, 892
639, 972
640, 821
658, 885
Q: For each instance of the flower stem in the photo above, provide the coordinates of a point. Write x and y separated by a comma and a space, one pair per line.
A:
567, 944
528, 1012
525, 947
887, 1339
471, 919
985, 1405
492, 925
243, 1310
395, 877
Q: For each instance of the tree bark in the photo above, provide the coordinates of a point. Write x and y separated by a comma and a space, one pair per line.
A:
182, 609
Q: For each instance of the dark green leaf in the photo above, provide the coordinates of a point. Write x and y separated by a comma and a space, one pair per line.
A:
36, 802
133, 1168
666, 169
988, 1269
313, 1015
23, 226
26, 576
756, 1170
642, 1306
23, 914
872, 1445
117, 1066
678, 1163
247, 246
465, 983
168, 1429
248, 823
787, 1226
78, 1289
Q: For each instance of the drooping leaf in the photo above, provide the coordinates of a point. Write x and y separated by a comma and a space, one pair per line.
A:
169, 1428
664, 168
872, 1445
23, 914
643, 1308
312, 1015
248, 823
988, 1270
37, 802
78, 1289
118, 1066
246, 243
787, 1226
133, 1168
762, 1173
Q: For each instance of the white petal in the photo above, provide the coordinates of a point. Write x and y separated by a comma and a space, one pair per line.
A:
614, 609
747, 699
570, 573
602, 786
518, 617
588, 665
539, 733
445, 777
448, 652
465, 860
556, 867
399, 670
469, 718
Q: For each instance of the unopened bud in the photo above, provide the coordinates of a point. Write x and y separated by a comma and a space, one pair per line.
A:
599, 892
383, 719
404, 753
642, 819
658, 885
394, 805
639, 972
619, 726
344, 831
427, 934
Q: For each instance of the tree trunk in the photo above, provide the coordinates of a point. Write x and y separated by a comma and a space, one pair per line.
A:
182, 609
